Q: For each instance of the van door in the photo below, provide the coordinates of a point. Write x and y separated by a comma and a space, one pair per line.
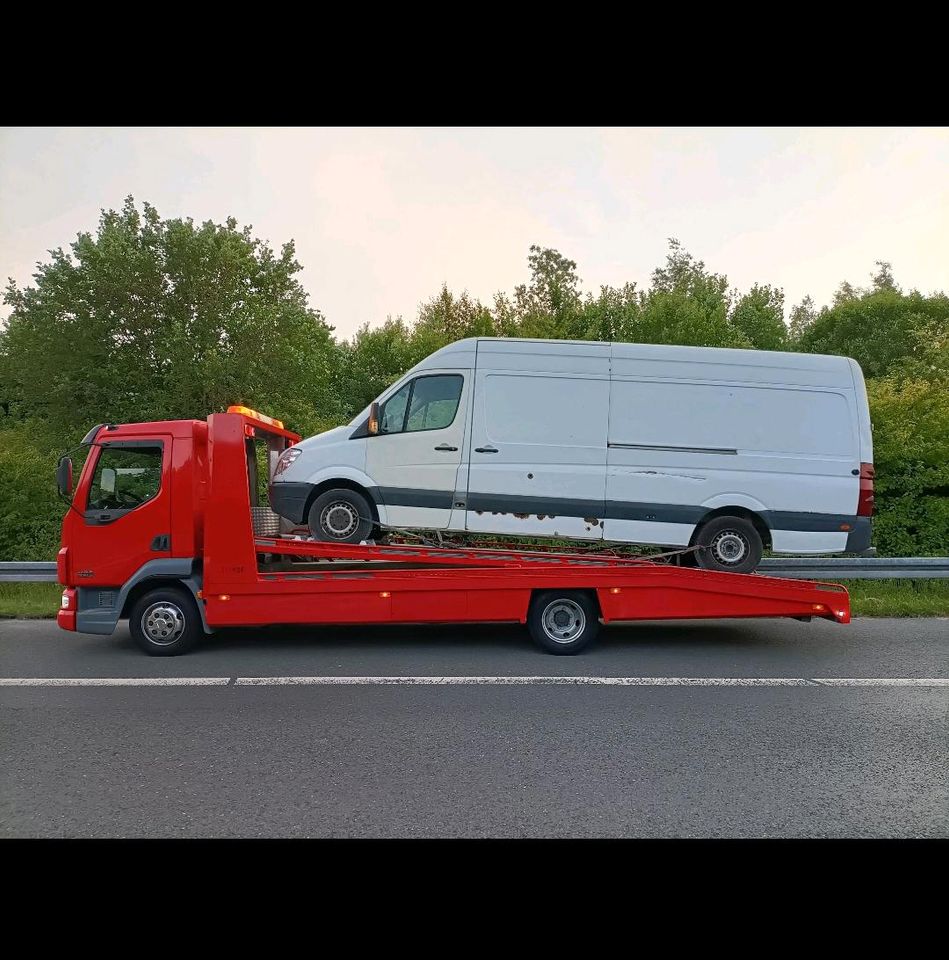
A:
415, 457
127, 514
538, 448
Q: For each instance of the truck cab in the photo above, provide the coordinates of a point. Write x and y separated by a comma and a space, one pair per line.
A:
137, 514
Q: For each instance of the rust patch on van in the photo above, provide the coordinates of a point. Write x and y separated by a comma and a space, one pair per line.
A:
522, 516
592, 521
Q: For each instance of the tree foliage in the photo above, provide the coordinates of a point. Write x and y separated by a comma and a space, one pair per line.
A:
154, 319
150, 319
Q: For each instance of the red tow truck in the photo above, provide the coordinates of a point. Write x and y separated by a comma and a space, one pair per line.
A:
164, 529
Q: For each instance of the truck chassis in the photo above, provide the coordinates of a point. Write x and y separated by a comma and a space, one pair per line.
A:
242, 580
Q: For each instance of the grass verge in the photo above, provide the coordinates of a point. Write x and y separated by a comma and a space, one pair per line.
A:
868, 598
29, 600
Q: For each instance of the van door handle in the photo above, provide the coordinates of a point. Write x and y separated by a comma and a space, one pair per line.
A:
486, 449
446, 448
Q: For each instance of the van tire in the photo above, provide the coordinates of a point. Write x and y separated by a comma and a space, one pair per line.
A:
165, 622
563, 622
340, 515
731, 544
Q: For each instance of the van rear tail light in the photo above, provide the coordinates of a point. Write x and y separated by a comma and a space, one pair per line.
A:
286, 458
865, 497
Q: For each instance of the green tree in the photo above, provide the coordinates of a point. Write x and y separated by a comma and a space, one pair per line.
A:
374, 358
883, 278
554, 286
879, 329
801, 319
446, 318
687, 305
911, 456
759, 317
153, 319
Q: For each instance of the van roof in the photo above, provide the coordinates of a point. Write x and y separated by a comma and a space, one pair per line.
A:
653, 351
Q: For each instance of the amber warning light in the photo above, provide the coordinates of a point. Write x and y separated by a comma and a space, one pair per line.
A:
263, 418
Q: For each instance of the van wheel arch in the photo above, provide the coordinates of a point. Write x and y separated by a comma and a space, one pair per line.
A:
321, 488
764, 531
731, 540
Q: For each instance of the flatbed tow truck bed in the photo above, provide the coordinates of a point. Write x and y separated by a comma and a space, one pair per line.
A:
562, 596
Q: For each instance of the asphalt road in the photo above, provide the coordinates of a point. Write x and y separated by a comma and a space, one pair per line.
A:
481, 760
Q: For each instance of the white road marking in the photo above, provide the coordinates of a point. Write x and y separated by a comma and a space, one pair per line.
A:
476, 681
115, 682
886, 682
592, 681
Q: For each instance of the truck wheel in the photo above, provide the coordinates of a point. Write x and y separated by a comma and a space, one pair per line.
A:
563, 621
731, 544
340, 516
165, 622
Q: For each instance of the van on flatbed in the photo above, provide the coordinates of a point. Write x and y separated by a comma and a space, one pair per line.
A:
731, 451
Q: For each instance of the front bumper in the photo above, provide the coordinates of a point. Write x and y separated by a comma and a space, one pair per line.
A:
66, 616
288, 500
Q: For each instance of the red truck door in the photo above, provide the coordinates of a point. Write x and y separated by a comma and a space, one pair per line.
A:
126, 514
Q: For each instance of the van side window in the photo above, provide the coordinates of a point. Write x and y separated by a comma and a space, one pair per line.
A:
393, 410
125, 477
425, 403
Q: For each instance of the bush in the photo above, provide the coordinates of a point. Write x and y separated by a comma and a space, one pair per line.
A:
911, 456
30, 510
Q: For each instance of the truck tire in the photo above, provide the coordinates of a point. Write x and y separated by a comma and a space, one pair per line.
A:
340, 516
164, 622
563, 622
731, 544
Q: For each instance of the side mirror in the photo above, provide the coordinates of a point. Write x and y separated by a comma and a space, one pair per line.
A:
107, 480
373, 419
64, 476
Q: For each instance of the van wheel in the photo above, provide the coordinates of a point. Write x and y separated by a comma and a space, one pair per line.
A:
731, 544
340, 516
563, 621
165, 622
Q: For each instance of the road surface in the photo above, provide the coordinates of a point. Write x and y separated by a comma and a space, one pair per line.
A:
472, 732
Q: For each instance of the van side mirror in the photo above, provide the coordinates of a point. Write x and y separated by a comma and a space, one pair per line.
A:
373, 426
64, 476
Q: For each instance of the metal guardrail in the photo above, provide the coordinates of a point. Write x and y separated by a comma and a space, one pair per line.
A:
857, 568
798, 568
28, 572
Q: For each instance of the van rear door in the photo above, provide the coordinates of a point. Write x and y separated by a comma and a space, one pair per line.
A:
538, 441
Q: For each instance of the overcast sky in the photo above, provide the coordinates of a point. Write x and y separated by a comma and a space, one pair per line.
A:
382, 216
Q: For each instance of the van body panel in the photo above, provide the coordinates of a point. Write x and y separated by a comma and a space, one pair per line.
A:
722, 431
538, 441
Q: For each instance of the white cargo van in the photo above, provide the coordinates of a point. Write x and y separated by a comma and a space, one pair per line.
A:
736, 450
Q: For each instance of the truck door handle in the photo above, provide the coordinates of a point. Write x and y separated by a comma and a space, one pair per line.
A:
446, 448
486, 449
